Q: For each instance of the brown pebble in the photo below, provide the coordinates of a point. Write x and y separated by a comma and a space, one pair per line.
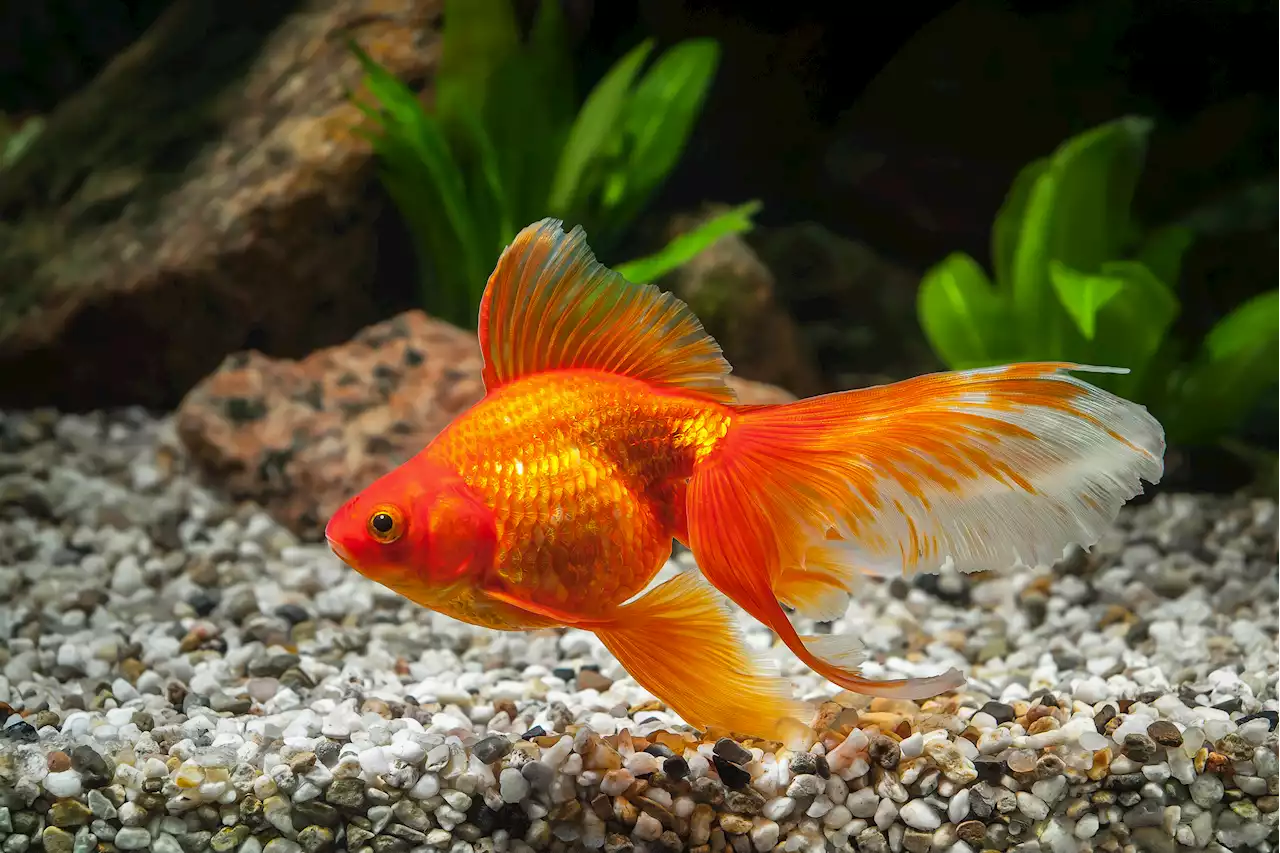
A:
624, 811
1164, 733
1106, 715
648, 705
376, 706
1050, 766
1217, 763
885, 752
1101, 764
1042, 725
590, 679
132, 669
655, 809
972, 832
735, 824
1268, 804
58, 761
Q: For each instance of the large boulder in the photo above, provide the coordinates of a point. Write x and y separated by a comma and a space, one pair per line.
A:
300, 437
203, 195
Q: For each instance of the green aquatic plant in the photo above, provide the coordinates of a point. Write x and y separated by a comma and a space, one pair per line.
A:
505, 144
1076, 279
16, 137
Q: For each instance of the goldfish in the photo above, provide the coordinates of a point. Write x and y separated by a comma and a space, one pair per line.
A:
607, 432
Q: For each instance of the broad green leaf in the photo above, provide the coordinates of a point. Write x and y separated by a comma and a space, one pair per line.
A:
1007, 229
478, 37
1077, 212
659, 118
1236, 365
1083, 294
962, 315
1131, 327
1252, 324
1163, 250
1098, 172
684, 248
596, 124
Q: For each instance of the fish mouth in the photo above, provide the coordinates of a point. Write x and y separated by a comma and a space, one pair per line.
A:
336, 547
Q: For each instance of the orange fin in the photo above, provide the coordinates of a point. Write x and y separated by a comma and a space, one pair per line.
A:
820, 586
682, 643
980, 469
550, 305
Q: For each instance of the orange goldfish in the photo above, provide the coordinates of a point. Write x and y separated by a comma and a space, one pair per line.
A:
607, 431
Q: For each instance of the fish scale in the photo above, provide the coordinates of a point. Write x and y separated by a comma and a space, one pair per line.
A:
586, 510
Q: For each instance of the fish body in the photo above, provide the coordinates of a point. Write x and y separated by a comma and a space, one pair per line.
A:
607, 431
585, 472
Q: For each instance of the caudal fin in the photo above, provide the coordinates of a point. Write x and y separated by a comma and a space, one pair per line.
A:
981, 469
680, 641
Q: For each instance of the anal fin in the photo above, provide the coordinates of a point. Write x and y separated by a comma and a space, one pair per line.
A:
681, 642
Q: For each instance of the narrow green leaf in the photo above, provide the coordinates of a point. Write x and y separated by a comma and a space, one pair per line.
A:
688, 245
418, 164
1083, 294
659, 118
528, 114
1236, 365
1163, 250
596, 124
961, 313
478, 37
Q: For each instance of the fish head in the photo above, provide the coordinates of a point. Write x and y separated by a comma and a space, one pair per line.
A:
419, 530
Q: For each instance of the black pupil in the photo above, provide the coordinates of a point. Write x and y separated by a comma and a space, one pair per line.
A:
383, 523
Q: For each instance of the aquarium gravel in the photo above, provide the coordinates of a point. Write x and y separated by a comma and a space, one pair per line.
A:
178, 673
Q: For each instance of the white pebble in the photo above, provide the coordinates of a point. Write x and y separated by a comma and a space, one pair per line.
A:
863, 802
65, 783
513, 786
918, 815
641, 764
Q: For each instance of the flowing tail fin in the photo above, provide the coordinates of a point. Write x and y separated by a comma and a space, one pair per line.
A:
982, 469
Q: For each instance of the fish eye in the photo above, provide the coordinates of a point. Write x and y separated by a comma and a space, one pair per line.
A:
386, 524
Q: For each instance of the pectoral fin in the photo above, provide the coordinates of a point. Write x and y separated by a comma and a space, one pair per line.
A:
681, 642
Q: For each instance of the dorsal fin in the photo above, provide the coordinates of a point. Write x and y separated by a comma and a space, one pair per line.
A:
550, 305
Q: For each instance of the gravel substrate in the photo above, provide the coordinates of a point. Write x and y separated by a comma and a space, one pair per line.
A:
179, 674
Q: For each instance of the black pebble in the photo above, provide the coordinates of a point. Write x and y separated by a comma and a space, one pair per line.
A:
731, 750
564, 673
204, 601
657, 749
1269, 716
731, 775
536, 731
513, 819
998, 711
292, 613
21, 732
675, 767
